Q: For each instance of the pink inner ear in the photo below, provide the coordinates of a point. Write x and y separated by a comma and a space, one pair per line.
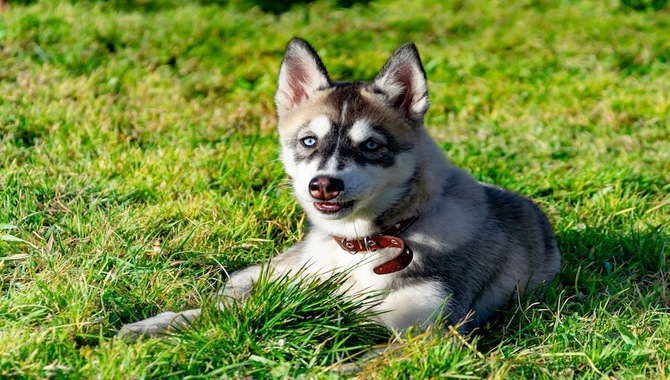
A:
297, 82
404, 99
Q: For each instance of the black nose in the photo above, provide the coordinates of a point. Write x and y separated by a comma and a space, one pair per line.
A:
325, 188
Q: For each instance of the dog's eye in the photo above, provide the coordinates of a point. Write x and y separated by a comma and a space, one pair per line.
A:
309, 141
371, 145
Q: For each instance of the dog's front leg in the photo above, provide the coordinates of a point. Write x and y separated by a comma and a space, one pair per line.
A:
158, 325
238, 287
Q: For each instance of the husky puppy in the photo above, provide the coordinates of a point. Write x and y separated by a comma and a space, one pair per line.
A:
386, 205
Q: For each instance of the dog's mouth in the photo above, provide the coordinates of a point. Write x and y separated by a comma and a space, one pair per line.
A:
332, 207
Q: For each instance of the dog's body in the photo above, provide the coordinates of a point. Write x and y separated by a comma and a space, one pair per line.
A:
362, 166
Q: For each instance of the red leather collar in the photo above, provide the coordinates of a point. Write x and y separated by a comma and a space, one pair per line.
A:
385, 239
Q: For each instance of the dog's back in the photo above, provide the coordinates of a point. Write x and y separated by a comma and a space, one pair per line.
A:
476, 245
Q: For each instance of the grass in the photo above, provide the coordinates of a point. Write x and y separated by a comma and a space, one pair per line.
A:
138, 160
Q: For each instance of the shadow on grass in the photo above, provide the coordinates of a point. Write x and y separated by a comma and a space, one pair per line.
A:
601, 272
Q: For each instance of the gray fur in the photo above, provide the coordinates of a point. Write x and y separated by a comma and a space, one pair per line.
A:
474, 245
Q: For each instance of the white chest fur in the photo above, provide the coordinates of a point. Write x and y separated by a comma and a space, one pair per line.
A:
401, 308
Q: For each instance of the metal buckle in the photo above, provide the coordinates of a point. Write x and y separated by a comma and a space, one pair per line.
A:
367, 243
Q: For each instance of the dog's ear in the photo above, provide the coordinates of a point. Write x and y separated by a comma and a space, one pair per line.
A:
301, 75
403, 81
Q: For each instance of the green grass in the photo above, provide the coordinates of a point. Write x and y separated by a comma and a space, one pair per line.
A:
138, 160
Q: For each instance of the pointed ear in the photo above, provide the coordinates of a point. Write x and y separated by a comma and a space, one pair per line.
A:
301, 75
403, 81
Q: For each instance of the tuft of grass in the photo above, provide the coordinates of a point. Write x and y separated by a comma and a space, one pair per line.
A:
138, 164
285, 328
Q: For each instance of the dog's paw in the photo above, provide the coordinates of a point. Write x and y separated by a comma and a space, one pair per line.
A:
158, 326
153, 327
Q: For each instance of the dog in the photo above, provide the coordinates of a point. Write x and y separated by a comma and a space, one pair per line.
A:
385, 205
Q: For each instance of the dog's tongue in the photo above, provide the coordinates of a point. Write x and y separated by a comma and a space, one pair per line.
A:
328, 206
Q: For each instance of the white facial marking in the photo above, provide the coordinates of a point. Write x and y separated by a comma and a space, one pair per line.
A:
361, 130
343, 114
320, 126
330, 168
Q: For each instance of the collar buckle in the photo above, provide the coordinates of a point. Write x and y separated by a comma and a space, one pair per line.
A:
386, 239
369, 244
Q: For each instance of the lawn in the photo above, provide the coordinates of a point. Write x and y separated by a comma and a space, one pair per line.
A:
139, 163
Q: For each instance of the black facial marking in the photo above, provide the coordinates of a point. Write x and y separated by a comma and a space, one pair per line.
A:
337, 142
330, 143
377, 90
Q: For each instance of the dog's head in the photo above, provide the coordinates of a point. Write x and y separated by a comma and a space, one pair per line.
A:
350, 148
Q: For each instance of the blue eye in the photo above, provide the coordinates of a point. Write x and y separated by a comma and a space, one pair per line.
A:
371, 146
308, 141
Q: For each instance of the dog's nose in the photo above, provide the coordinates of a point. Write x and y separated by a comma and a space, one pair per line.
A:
325, 188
